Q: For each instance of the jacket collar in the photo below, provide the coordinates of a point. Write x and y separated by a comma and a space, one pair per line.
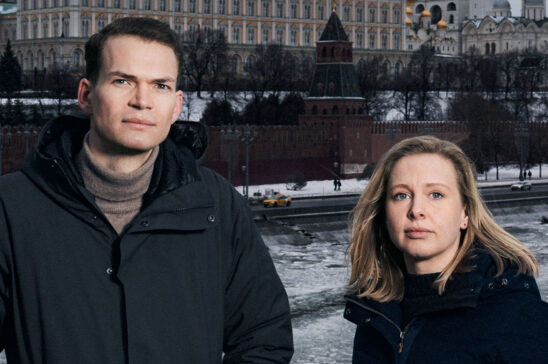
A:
50, 164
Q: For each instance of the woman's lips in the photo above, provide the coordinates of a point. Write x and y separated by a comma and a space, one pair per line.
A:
417, 233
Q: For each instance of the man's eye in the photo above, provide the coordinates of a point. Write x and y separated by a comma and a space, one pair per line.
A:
120, 82
161, 86
436, 195
400, 196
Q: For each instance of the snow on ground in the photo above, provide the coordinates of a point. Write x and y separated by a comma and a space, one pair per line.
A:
507, 175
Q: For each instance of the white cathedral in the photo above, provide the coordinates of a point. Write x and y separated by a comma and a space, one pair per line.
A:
486, 26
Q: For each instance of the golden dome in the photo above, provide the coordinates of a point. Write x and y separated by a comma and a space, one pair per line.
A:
408, 21
410, 2
425, 13
442, 24
408, 11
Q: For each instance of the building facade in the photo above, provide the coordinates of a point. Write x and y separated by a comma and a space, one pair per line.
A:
50, 32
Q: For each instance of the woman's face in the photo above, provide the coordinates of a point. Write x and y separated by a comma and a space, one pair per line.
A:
425, 212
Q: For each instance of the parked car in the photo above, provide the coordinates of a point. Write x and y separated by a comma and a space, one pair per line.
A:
521, 186
256, 199
277, 201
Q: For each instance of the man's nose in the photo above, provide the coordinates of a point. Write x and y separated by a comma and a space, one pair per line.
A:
142, 98
416, 208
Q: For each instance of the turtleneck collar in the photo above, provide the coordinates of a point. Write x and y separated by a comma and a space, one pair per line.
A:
118, 195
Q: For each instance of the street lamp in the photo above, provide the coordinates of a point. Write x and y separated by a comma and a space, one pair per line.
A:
229, 138
248, 136
521, 134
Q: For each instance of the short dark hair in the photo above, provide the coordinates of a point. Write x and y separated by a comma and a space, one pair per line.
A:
145, 28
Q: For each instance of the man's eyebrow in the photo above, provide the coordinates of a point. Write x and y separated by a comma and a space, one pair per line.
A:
133, 78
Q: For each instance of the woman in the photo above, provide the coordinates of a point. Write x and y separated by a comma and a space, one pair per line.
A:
434, 279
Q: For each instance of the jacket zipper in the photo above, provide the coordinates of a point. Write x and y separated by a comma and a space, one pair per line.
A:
402, 332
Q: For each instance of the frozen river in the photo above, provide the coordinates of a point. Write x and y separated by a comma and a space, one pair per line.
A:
313, 268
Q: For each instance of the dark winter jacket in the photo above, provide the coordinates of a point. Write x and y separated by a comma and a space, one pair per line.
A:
484, 320
188, 280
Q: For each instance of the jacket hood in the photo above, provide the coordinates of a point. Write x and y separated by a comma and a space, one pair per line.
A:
50, 163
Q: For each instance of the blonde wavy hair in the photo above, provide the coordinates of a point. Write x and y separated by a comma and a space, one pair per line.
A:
378, 266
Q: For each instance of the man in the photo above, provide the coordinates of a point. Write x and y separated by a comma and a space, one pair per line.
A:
115, 246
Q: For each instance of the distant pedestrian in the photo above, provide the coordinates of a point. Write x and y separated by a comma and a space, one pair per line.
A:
335, 184
339, 184
529, 174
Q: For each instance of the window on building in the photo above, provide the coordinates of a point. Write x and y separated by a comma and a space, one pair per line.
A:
85, 28
293, 37
84, 3
162, 5
45, 33
66, 30
372, 15
236, 7
207, 6
132, 4
293, 10
234, 64
359, 14
359, 39
100, 24
307, 37
397, 41
266, 35
251, 7
397, 70
76, 61
66, 3
266, 8
384, 15
307, 11
31, 61
191, 6
101, 3
384, 40
451, 19
371, 40
397, 15
279, 36
178, 28
236, 35
487, 48
493, 48
320, 11
222, 7
346, 13
55, 28
280, 9
148, 4
250, 36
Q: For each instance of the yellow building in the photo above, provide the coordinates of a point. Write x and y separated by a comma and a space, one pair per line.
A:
54, 31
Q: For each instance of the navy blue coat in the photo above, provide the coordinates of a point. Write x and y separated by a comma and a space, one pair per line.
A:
490, 320
189, 280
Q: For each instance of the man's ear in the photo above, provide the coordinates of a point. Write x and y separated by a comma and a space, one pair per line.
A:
178, 106
84, 96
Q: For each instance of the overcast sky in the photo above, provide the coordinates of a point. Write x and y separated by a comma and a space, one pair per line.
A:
516, 7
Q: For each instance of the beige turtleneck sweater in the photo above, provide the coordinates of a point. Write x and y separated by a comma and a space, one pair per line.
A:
118, 195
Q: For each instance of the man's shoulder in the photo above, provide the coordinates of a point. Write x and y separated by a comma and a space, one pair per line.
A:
13, 182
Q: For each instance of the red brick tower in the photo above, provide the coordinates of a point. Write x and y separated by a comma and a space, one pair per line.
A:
335, 101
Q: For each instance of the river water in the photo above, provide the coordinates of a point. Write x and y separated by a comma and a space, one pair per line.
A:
311, 261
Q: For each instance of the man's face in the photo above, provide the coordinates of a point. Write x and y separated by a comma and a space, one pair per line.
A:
134, 101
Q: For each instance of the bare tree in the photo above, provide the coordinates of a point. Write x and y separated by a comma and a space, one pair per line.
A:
508, 63
423, 63
202, 48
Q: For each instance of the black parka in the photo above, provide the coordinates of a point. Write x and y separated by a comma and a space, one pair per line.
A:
487, 320
189, 279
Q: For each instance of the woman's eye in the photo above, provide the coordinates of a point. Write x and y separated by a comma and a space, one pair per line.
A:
400, 196
436, 195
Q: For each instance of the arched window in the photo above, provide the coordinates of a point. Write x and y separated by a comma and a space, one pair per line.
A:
335, 110
451, 7
314, 110
486, 48
324, 52
493, 48
451, 19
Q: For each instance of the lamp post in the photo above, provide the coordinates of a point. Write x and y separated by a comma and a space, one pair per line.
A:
229, 138
521, 133
248, 136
